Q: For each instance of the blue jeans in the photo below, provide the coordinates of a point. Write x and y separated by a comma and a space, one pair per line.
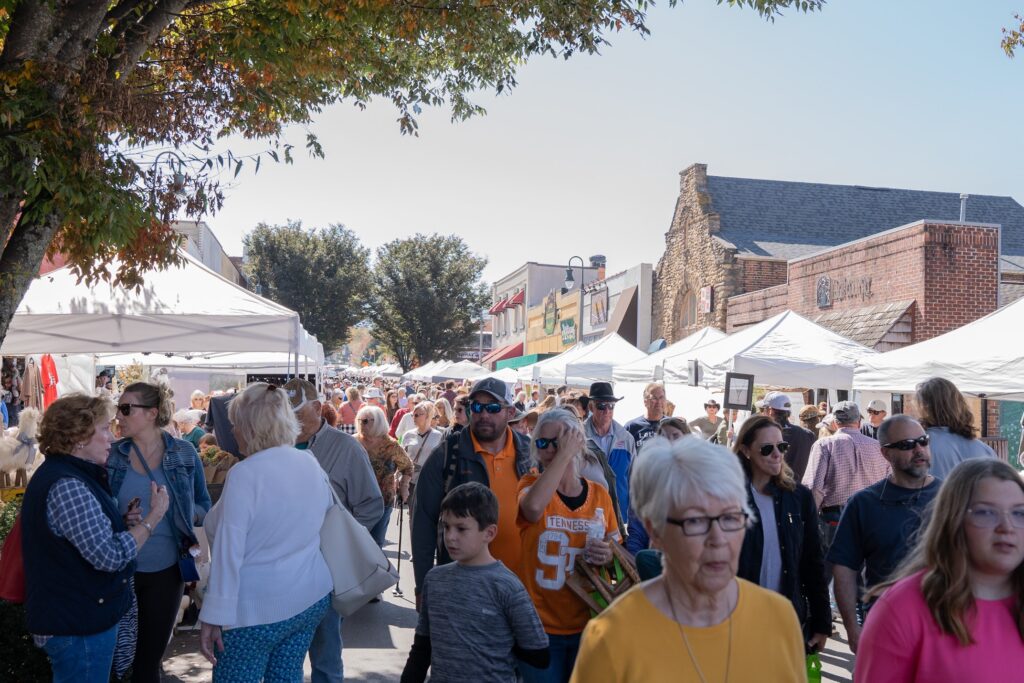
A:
272, 653
82, 659
380, 529
325, 650
563, 658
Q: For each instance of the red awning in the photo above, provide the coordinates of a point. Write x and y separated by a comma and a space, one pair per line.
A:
501, 353
498, 307
518, 299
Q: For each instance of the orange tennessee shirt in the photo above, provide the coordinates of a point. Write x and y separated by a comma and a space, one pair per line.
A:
501, 471
550, 547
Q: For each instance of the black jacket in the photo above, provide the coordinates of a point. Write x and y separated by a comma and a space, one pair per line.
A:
803, 570
452, 463
800, 441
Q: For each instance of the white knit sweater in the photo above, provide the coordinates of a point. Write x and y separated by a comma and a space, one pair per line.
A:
265, 540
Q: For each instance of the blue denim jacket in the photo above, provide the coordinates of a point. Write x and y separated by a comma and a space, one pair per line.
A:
184, 473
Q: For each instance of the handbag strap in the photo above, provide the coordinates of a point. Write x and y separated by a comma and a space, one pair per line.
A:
174, 500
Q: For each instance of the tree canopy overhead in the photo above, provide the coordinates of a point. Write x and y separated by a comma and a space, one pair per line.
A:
92, 89
427, 297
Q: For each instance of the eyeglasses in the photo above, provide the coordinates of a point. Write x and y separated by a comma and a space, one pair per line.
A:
768, 448
699, 526
492, 408
542, 444
604, 406
126, 408
908, 444
654, 398
989, 518
365, 422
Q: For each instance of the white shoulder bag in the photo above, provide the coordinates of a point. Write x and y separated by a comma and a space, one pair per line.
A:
359, 569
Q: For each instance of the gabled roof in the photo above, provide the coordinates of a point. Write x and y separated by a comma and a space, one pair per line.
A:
789, 219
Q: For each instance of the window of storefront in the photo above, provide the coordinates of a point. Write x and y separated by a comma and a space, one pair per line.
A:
688, 310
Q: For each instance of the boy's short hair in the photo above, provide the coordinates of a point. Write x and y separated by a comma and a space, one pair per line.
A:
472, 500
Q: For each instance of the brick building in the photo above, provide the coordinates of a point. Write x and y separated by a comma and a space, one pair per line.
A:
886, 267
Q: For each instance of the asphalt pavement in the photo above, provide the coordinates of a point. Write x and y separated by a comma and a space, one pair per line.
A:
378, 637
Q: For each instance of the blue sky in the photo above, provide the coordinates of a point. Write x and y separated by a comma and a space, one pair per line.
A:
583, 157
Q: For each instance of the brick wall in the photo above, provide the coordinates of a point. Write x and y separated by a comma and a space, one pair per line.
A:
761, 273
949, 270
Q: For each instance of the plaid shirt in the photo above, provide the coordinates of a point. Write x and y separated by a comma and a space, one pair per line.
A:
72, 512
348, 429
843, 464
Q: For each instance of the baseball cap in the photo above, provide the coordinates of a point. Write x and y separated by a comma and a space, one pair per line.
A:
777, 400
846, 411
300, 392
878, 405
495, 387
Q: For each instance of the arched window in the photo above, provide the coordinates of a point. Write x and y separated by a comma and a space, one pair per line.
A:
688, 310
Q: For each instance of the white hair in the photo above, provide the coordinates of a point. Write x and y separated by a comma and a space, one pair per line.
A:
670, 475
187, 416
559, 416
263, 416
197, 394
378, 425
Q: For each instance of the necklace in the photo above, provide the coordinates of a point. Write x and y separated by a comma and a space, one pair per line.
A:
686, 641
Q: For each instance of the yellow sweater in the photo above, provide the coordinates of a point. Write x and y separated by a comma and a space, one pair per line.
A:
633, 642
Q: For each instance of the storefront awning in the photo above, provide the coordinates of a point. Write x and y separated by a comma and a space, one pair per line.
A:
502, 353
498, 307
518, 299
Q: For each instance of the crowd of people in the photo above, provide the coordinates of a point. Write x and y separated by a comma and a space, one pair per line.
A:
751, 533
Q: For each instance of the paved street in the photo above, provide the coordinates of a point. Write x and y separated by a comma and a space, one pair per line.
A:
377, 639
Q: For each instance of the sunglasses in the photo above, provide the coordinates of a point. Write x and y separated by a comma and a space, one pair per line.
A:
542, 444
126, 408
908, 444
365, 422
767, 449
601, 405
492, 408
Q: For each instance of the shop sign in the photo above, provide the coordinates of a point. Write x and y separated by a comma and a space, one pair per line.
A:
599, 307
707, 299
568, 331
550, 314
833, 290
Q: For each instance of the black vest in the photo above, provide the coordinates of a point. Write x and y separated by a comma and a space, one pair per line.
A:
65, 595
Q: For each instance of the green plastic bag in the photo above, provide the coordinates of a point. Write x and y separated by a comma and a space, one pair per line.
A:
813, 668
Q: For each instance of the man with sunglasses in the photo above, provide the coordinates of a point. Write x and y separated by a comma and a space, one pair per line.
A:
487, 452
840, 466
877, 412
878, 522
612, 439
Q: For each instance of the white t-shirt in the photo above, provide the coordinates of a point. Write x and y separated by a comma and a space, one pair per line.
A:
771, 556
419, 447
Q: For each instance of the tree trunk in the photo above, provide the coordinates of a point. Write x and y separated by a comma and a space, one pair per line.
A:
19, 265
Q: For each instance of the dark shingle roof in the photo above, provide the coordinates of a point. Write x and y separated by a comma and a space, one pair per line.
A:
789, 220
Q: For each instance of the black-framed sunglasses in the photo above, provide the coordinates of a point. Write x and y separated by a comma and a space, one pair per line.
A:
602, 405
699, 526
908, 444
542, 444
492, 408
768, 448
126, 408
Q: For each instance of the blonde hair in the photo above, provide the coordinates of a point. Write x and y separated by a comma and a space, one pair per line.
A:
155, 395
445, 407
941, 551
378, 425
263, 417
566, 418
352, 393
425, 406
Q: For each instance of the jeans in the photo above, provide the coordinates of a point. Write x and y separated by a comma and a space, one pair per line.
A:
380, 529
325, 650
82, 659
272, 653
563, 658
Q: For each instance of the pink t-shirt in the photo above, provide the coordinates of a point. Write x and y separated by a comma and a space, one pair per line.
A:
901, 642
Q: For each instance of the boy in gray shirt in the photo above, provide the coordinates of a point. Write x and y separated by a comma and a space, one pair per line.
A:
475, 615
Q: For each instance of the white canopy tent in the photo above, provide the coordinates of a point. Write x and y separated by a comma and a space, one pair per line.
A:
464, 369
183, 309
786, 350
646, 369
390, 370
422, 373
506, 375
583, 363
982, 357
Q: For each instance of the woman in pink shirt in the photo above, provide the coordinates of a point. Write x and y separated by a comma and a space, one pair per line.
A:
953, 611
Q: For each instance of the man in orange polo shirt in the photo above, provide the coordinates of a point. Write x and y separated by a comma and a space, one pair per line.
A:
488, 452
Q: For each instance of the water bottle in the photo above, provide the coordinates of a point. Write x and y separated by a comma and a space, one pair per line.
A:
595, 532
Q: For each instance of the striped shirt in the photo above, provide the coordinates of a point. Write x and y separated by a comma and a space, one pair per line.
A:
842, 465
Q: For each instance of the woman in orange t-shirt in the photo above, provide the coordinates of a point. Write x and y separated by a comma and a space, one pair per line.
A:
556, 510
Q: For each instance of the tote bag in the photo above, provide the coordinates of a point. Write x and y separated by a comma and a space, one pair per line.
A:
359, 569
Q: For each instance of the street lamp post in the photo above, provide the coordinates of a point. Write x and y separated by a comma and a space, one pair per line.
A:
568, 285
179, 177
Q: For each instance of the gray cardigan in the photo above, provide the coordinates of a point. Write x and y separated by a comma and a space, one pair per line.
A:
349, 470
